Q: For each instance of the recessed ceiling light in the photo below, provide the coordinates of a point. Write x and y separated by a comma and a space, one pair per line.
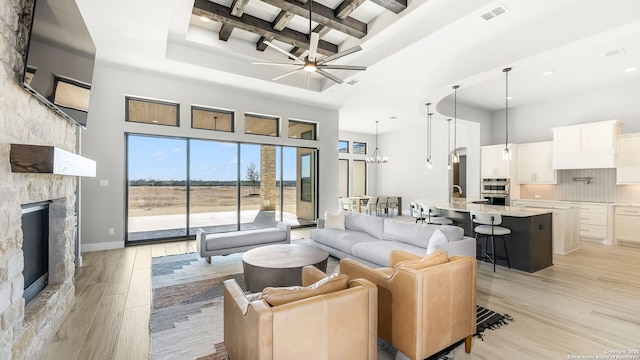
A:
631, 69
548, 72
204, 19
393, 117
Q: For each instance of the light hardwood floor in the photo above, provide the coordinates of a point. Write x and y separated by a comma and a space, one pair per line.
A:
586, 304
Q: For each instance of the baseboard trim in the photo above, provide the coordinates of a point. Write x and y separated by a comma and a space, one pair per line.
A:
102, 246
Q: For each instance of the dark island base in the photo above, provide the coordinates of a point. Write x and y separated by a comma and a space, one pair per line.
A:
529, 244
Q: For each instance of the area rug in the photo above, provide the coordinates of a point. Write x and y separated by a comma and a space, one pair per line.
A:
187, 309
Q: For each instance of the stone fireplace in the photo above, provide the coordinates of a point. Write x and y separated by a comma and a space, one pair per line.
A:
24, 330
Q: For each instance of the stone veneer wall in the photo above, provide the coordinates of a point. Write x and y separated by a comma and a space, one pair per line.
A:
268, 189
23, 119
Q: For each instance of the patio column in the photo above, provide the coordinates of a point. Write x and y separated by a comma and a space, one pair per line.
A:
268, 190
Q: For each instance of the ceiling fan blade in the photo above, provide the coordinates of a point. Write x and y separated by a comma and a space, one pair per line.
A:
326, 74
286, 74
344, 67
313, 46
273, 63
339, 55
275, 47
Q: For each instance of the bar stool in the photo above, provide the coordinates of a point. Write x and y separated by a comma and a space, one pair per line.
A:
433, 216
416, 211
489, 228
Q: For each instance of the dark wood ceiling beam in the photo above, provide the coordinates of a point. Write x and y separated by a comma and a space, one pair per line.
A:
237, 9
346, 8
225, 32
238, 6
258, 26
281, 21
323, 15
395, 6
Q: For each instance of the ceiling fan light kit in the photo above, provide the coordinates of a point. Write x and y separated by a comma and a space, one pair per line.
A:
312, 64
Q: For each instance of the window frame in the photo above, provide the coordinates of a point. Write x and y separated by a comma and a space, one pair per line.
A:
265, 117
313, 132
152, 101
359, 143
346, 148
215, 110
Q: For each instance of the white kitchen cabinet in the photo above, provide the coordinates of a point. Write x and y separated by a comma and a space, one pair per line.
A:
596, 222
627, 224
534, 165
628, 170
492, 164
586, 146
566, 223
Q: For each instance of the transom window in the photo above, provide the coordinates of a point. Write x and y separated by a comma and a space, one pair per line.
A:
212, 119
359, 148
261, 125
152, 111
302, 130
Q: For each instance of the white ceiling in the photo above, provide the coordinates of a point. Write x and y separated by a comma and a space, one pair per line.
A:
413, 57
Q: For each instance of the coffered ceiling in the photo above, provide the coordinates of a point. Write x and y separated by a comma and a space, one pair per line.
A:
412, 56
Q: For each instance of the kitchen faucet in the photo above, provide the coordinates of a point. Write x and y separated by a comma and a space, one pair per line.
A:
457, 187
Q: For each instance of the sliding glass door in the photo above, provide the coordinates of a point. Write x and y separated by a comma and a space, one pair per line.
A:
157, 189
177, 185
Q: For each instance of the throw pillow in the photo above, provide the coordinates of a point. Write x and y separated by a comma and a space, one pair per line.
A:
334, 221
438, 238
275, 296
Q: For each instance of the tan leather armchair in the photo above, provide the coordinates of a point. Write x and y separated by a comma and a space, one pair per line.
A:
421, 312
337, 325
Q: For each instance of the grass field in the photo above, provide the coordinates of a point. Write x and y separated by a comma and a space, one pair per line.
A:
167, 200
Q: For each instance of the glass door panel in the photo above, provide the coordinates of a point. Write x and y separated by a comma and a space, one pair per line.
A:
157, 187
254, 197
359, 185
213, 170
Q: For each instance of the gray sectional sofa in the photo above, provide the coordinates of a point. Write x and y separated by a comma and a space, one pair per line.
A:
369, 239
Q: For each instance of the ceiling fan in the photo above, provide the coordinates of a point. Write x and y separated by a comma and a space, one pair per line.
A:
311, 63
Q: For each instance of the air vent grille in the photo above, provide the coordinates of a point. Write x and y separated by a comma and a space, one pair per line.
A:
495, 12
614, 52
352, 82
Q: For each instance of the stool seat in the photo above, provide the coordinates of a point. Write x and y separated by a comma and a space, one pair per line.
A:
487, 230
437, 220
488, 227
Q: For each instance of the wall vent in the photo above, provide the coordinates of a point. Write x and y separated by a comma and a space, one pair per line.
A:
352, 82
614, 52
495, 12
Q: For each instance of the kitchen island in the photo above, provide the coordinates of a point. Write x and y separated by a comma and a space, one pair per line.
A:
530, 242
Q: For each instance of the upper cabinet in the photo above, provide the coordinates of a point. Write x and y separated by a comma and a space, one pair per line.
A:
628, 171
586, 146
534, 165
493, 166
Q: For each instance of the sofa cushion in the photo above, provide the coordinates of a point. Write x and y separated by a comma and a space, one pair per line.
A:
342, 240
418, 234
366, 223
244, 238
436, 240
378, 252
275, 296
334, 221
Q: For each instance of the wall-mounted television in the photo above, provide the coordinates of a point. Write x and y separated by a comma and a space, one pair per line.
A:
60, 58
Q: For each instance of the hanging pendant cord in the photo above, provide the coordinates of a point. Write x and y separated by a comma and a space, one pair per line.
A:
506, 108
455, 117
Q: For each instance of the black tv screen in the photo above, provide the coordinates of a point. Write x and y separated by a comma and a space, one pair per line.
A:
60, 58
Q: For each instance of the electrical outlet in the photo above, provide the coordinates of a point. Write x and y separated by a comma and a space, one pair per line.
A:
104, 182
537, 196
112, 231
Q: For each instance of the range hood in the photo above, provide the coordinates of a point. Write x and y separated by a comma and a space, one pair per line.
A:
586, 146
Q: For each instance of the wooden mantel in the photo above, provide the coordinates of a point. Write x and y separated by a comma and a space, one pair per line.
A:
49, 160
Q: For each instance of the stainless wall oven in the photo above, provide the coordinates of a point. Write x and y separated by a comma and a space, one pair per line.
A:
495, 191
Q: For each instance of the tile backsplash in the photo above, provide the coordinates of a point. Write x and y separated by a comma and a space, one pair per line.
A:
601, 188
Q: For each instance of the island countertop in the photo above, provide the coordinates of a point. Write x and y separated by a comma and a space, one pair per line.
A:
502, 210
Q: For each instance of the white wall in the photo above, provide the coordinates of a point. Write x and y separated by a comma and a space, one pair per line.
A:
469, 113
104, 139
534, 122
406, 175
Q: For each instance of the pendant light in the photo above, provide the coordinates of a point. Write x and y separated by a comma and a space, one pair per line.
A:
377, 157
454, 157
448, 144
428, 162
506, 154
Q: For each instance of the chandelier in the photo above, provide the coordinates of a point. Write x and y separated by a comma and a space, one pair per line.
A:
377, 157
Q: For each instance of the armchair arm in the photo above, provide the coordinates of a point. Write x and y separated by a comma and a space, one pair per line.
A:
286, 228
320, 223
311, 274
401, 255
201, 237
466, 246
245, 332
356, 270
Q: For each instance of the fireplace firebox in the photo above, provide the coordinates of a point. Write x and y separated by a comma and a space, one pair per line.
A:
35, 247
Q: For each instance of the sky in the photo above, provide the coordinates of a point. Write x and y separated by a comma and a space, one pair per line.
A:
161, 158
